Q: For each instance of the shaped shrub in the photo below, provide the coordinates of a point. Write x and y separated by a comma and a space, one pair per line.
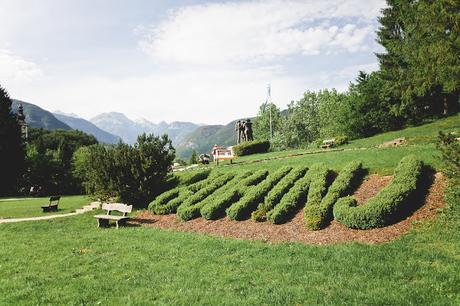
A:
275, 195
291, 201
191, 177
251, 147
254, 195
318, 212
216, 209
386, 206
169, 201
187, 212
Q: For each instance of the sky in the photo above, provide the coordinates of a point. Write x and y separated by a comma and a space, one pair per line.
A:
189, 60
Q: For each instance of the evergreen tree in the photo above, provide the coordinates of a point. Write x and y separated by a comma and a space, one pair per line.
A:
11, 148
194, 158
421, 62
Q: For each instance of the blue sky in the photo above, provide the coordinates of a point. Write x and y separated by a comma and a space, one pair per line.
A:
200, 61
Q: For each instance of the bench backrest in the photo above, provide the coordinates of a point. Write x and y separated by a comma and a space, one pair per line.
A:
54, 199
123, 208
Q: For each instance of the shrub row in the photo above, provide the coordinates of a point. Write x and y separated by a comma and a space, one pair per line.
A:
385, 207
169, 201
256, 194
290, 201
251, 147
216, 209
318, 213
188, 212
275, 195
319, 182
190, 177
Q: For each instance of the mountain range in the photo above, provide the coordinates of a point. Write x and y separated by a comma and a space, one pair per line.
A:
111, 127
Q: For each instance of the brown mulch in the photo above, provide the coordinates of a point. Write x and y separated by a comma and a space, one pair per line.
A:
295, 231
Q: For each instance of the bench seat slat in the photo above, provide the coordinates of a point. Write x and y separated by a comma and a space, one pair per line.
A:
110, 217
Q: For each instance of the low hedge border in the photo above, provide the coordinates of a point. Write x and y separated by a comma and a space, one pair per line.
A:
275, 195
318, 213
192, 177
204, 193
382, 209
290, 201
251, 147
189, 212
216, 209
254, 195
169, 201
319, 182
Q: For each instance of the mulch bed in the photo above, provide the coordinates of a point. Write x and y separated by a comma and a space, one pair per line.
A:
295, 231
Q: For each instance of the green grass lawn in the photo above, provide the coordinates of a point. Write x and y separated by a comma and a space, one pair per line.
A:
70, 261
31, 207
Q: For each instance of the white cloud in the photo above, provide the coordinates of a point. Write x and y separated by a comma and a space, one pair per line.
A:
261, 30
16, 68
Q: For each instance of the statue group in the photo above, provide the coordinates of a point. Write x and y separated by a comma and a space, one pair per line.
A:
243, 130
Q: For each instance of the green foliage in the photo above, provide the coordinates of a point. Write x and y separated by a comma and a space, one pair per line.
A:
278, 191
190, 208
134, 174
320, 177
388, 204
193, 158
318, 212
341, 140
262, 121
191, 177
255, 195
421, 63
291, 201
450, 155
169, 201
12, 153
215, 209
251, 147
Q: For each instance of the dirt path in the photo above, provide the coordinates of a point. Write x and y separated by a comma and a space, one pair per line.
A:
295, 229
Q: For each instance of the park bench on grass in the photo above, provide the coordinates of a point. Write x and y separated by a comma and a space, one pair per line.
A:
328, 143
103, 220
52, 205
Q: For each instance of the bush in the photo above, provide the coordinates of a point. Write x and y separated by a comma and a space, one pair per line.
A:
290, 201
319, 182
275, 195
168, 202
255, 195
190, 209
251, 147
191, 177
450, 155
214, 210
384, 208
317, 214
341, 140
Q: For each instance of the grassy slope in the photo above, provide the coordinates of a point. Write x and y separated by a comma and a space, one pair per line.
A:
420, 141
82, 264
31, 207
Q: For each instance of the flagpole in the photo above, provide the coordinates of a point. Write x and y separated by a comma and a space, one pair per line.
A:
270, 110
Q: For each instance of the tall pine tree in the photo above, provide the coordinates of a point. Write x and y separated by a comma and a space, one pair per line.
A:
11, 148
421, 62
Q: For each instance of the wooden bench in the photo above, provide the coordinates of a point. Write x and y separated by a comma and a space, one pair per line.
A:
52, 205
103, 220
328, 143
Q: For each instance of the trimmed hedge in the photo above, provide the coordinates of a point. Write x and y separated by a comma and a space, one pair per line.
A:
318, 213
319, 179
192, 177
204, 193
188, 212
216, 209
169, 201
290, 201
254, 195
251, 147
384, 208
275, 195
